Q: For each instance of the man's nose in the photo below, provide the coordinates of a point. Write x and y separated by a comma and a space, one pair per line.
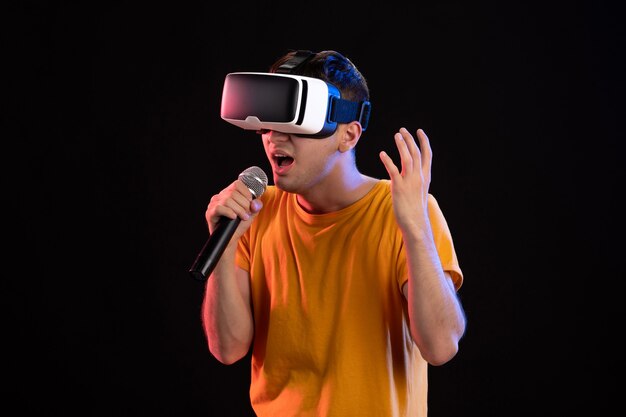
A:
275, 136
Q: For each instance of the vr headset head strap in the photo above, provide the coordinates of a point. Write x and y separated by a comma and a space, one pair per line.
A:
344, 111
299, 59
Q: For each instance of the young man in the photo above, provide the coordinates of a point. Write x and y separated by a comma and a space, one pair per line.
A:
344, 285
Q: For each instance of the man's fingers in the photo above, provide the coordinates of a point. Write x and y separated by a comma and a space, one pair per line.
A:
411, 144
425, 149
391, 168
412, 156
406, 159
232, 202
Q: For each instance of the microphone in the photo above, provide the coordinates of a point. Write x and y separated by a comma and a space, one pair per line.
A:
255, 179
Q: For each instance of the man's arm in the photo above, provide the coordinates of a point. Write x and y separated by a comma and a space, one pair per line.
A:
227, 313
226, 309
437, 320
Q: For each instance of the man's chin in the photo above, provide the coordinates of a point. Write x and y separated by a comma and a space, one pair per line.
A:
282, 184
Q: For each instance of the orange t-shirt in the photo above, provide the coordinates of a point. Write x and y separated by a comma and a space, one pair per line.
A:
331, 324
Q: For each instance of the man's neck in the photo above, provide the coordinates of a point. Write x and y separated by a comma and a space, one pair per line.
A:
337, 195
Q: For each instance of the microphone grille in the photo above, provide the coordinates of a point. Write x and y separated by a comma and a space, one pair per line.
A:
255, 179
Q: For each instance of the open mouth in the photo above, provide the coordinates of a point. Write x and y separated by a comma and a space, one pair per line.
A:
282, 160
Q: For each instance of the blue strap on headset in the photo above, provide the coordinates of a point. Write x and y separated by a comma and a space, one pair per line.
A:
345, 111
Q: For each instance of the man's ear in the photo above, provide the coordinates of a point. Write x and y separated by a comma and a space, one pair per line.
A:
350, 136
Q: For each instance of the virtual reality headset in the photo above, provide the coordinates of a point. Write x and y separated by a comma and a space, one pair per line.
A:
288, 103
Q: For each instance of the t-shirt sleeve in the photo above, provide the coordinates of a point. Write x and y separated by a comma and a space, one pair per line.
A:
443, 242
245, 250
242, 256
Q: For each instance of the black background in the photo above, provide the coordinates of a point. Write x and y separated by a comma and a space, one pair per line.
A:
113, 146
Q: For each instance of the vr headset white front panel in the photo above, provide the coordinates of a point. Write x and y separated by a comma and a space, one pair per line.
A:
316, 107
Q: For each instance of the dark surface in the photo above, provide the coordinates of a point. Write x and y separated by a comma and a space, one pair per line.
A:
116, 145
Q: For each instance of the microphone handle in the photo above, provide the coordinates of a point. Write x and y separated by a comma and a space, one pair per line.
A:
214, 248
